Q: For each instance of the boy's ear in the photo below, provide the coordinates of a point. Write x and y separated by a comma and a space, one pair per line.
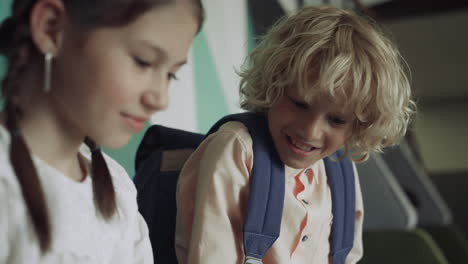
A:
47, 23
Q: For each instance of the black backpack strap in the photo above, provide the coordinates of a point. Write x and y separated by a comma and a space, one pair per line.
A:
340, 176
156, 184
267, 183
159, 137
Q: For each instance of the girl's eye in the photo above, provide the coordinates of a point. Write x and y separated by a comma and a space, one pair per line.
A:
172, 76
300, 105
141, 63
337, 120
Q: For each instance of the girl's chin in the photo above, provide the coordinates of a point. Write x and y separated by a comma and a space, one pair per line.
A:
115, 142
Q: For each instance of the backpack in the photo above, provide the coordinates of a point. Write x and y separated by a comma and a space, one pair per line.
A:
156, 183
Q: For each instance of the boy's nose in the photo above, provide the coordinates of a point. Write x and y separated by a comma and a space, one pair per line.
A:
314, 129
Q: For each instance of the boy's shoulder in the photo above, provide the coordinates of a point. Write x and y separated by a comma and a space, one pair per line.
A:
230, 140
235, 130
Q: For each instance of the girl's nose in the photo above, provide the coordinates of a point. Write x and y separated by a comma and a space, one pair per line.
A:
156, 98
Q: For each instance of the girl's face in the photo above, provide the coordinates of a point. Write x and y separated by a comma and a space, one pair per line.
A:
108, 82
305, 133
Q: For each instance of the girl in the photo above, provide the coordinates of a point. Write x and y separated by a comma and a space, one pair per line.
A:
81, 71
324, 79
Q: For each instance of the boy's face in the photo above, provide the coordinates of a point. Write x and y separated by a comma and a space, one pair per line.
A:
305, 133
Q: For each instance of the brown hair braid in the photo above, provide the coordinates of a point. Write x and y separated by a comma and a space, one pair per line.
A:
18, 58
16, 44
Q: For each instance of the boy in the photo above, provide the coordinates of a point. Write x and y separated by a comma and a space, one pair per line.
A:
325, 79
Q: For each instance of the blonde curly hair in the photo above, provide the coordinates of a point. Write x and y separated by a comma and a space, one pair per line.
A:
327, 50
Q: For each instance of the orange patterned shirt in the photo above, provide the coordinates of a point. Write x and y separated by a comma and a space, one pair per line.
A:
212, 198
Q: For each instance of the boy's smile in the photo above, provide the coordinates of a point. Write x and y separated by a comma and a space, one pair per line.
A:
302, 148
305, 133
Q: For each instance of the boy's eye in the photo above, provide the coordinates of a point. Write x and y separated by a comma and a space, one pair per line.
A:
298, 104
172, 76
337, 120
141, 63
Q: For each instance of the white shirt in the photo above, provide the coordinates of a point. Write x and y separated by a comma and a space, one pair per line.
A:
79, 234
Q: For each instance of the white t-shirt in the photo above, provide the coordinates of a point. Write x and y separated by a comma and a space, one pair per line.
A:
79, 234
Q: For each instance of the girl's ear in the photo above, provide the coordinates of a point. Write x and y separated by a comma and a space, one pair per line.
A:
48, 22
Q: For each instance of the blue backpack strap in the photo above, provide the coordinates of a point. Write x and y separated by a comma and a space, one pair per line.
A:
267, 183
340, 176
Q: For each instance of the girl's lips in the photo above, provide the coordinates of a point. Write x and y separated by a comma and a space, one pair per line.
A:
134, 122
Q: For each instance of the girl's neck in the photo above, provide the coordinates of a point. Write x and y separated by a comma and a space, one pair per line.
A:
51, 137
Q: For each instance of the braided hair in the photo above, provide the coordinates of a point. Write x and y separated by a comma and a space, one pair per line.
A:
17, 46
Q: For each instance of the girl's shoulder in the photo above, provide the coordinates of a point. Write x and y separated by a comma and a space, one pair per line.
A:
125, 191
6, 171
120, 178
8, 179
4, 138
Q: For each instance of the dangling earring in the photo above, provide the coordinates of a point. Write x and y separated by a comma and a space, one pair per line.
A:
47, 71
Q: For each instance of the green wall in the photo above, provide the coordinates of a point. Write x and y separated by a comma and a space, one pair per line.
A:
4, 12
209, 96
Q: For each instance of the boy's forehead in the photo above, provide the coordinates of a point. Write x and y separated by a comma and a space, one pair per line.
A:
339, 98
314, 93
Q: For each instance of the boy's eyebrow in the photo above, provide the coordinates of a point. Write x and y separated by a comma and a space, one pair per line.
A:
163, 53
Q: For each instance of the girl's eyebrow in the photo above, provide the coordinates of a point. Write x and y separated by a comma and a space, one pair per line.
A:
181, 63
162, 53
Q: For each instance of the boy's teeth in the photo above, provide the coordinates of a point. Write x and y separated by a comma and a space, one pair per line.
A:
301, 146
